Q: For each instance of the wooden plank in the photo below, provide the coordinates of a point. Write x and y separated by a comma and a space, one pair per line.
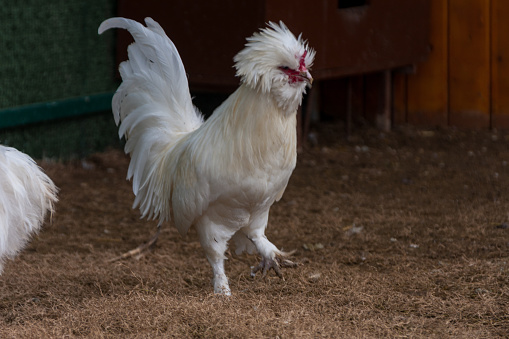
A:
374, 96
384, 34
427, 89
333, 98
355, 102
469, 63
384, 119
349, 112
499, 64
358, 89
399, 98
207, 34
310, 110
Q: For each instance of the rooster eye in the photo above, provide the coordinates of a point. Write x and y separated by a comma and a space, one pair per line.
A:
285, 67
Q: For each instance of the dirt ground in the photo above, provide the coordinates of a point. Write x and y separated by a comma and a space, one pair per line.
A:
400, 234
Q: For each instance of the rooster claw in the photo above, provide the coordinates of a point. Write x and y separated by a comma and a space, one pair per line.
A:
266, 265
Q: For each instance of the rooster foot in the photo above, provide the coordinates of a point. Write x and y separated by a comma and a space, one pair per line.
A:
140, 251
276, 264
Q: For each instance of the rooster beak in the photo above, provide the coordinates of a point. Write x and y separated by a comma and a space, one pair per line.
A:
306, 75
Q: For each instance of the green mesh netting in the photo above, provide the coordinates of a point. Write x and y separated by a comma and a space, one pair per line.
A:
64, 140
50, 50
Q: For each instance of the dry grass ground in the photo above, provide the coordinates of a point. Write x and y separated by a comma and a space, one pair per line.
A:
397, 235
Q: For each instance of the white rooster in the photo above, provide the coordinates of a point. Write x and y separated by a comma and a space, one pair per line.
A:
222, 175
26, 196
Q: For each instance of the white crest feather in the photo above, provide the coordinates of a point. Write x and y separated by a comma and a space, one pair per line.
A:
257, 64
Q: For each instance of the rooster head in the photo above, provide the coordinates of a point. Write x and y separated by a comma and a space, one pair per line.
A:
275, 61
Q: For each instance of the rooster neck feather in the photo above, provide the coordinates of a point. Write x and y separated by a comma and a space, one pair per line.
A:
250, 133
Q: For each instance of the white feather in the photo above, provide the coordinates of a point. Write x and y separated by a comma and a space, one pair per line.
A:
257, 64
26, 196
153, 107
221, 175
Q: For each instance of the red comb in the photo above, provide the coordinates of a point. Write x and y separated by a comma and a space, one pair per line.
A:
302, 63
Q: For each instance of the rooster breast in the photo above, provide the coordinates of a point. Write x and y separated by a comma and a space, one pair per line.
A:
237, 164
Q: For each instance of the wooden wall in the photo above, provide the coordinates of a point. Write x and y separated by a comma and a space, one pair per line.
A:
465, 80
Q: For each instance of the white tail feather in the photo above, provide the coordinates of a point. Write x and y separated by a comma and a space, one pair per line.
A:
26, 195
154, 108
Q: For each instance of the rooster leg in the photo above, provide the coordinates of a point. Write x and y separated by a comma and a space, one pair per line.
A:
272, 258
220, 280
214, 240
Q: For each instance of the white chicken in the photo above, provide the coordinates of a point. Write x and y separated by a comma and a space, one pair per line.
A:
27, 194
222, 175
